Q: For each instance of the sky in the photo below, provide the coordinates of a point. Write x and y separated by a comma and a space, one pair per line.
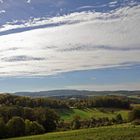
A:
69, 44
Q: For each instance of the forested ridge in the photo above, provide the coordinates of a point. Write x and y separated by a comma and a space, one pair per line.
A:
67, 93
97, 101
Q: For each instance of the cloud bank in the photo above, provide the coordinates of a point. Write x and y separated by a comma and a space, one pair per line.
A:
78, 41
107, 87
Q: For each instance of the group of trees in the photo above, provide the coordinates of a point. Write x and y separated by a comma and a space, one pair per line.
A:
101, 101
19, 121
18, 127
42, 115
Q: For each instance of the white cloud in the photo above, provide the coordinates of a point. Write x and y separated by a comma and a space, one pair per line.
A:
113, 2
1, 1
2, 11
28, 1
86, 40
93, 6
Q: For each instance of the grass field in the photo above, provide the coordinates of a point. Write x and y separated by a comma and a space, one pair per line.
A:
68, 115
116, 132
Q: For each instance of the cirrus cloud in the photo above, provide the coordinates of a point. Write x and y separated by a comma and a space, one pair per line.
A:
78, 41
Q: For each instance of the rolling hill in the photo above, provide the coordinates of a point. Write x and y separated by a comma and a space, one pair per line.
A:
117, 132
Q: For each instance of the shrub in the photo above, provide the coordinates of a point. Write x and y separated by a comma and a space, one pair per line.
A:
119, 118
134, 114
136, 122
76, 124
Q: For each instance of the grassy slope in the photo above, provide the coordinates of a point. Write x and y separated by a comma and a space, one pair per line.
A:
118, 132
94, 112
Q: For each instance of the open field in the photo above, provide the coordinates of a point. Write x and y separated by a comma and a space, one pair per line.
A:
68, 115
116, 132
135, 105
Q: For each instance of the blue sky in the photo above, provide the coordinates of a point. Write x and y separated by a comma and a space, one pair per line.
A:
69, 44
89, 79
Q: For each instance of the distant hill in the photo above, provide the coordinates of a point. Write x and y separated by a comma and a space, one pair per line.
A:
60, 93
55, 93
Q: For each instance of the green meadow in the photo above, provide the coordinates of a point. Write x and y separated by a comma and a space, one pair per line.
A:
87, 113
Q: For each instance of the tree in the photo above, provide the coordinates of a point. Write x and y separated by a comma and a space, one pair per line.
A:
37, 128
76, 122
52, 119
2, 128
16, 127
33, 128
47, 117
119, 118
28, 113
28, 125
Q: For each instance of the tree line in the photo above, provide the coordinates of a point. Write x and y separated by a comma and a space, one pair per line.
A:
92, 122
97, 101
101, 101
8, 99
